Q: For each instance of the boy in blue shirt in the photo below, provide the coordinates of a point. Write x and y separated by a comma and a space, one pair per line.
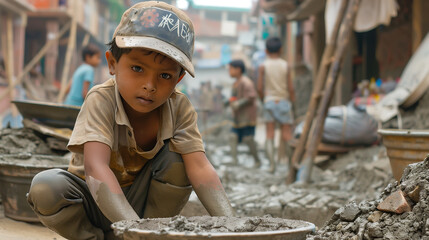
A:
83, 77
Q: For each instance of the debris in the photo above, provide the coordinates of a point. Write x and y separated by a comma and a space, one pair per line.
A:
375, 216
350, 212
415, 194
395, 203
373, 224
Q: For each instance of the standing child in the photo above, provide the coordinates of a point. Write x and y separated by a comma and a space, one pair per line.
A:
83, 77
276, 90
243, 104
137, 151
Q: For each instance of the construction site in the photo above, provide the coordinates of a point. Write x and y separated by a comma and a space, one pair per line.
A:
356, 166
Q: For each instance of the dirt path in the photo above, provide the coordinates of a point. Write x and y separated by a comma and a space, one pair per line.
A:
16, 230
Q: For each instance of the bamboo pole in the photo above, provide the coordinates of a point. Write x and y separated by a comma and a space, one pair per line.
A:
69, 53
417, 24
10, 66
35, 60
343, 40
9, 53
316, 94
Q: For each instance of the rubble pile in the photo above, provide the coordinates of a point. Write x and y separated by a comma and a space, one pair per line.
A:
401, 211
355, 176
365, 172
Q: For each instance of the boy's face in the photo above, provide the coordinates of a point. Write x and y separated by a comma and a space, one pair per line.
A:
145, 79
94, 60
234, 71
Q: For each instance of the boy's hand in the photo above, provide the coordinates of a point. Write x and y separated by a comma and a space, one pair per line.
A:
234, 105
207, 185
237, 104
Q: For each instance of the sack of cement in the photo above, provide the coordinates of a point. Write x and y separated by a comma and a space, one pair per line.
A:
347, 126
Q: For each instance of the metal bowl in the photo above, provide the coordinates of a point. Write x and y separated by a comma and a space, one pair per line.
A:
15, 180
125, 230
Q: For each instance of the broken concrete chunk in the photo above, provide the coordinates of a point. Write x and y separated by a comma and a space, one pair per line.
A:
350, 212
374, 230
395, 203
375, 216
415, 194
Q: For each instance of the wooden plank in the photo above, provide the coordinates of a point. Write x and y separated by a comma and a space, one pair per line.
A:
63, 134
51, 57
69, 53
316, 93
328, 149
35, 60
343, 41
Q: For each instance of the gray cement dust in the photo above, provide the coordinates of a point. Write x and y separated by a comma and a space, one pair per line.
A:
207, 224
363, 221
23, 147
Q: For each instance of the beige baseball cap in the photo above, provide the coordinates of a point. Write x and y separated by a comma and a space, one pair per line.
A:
160, 27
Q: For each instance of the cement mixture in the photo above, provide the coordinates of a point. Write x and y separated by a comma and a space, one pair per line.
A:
207, 224
22, 140
364, 221
29, 160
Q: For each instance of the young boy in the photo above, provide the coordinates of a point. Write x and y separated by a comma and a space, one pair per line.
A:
83, 77
137, 151
276, 90
243, 104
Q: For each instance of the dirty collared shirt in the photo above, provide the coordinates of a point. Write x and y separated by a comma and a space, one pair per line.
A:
102, 118
246, 115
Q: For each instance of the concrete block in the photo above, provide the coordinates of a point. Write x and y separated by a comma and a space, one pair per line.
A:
289, 197
350, 212
322, 202
307, 199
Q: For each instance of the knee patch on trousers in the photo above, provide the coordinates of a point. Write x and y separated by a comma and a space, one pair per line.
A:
44, 195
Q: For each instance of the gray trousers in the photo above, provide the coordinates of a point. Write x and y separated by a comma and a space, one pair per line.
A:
63, 202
